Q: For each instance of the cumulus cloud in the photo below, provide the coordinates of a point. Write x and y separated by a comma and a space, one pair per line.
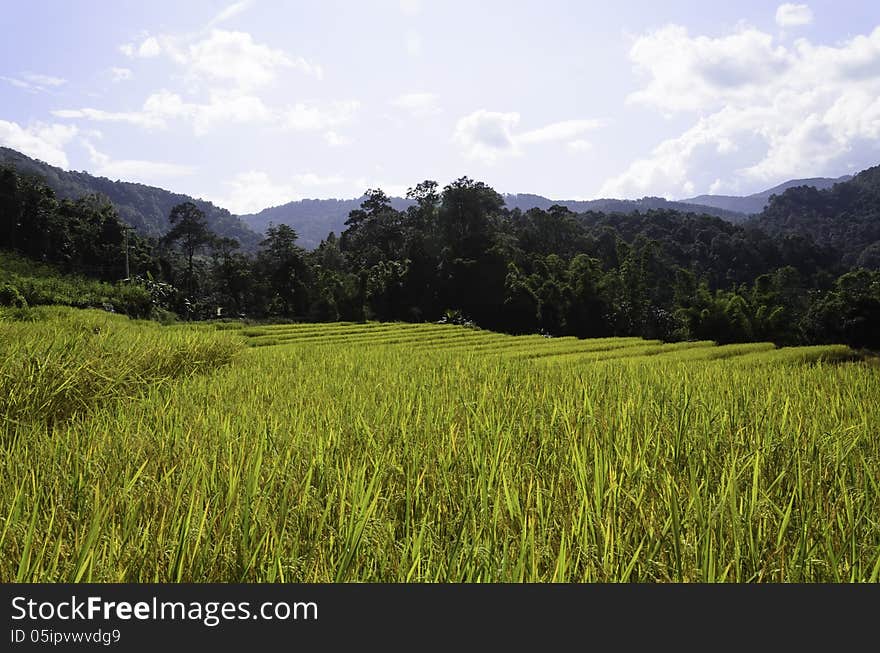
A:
691, 73
792, 15
235, 57
418, 104
40, 141
487, 135
223, 71
762, 111
490, 135
221, 107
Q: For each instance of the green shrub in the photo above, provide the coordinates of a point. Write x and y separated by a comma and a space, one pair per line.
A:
10, 296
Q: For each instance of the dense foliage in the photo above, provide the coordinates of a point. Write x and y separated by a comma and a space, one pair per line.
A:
146, 208
458, 253
845, 217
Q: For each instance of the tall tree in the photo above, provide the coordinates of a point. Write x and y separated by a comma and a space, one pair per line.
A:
285, 270
190, 228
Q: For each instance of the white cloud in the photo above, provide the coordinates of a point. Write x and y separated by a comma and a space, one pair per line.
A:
413, 43
35, 82
764, 112
559, 131
40, 141
18, 83
229, 107
149, 48
222, 107
489, 135
235, 57
230, 12
121, 74
44, 80
688, 73
418, 104
146, 172
139, 118
223, 70
792, 15
310, 117
158, 108
486, 135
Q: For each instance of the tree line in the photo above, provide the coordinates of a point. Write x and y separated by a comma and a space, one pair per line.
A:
458, 254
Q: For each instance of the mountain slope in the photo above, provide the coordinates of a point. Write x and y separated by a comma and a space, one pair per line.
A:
755, 203
145, 208
312, 219
845, 216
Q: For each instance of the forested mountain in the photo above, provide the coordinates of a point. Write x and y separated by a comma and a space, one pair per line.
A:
312, 219
146, 208
755, 203
845, 217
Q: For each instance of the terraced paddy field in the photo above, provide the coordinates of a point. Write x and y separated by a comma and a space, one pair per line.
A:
428, 453
444, 338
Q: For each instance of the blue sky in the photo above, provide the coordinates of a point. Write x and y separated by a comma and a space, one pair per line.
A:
255, 103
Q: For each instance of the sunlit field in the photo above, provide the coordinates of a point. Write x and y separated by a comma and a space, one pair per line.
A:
376, 452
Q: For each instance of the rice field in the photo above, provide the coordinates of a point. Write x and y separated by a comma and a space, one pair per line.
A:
372, 452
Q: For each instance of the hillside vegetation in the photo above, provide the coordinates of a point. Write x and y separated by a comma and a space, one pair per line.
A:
25, 283
145, 208
845, 217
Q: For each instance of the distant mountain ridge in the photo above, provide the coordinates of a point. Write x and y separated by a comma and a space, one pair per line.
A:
525, 201
755, 203
146, 208
314, 219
